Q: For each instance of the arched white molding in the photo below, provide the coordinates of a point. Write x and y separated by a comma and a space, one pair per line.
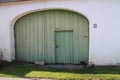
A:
12, 24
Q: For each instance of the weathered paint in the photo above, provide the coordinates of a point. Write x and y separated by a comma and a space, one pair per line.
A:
35, 37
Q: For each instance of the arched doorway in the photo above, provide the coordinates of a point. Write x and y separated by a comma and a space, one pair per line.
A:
55, 36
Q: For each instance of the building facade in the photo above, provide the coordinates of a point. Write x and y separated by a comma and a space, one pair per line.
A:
61, 31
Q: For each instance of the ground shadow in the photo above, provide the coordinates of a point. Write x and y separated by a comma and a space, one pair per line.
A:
21, 69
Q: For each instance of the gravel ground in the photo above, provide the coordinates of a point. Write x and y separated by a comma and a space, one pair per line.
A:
9, 78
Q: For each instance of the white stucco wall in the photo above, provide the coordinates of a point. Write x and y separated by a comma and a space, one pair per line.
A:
104, 43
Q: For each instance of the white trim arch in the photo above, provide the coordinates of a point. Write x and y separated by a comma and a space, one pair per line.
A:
12, 24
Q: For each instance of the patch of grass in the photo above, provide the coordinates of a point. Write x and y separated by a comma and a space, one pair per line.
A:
34, 71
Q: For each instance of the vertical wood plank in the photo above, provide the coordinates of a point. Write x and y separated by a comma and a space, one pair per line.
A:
35, 37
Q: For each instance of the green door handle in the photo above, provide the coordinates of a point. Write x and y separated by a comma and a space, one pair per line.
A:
85, 36
56, 46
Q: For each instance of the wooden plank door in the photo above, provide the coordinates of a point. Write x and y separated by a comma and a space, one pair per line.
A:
64, 47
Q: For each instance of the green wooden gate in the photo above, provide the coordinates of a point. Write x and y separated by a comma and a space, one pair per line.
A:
38, 34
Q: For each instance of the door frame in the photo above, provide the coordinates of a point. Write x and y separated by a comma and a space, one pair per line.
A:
18, 16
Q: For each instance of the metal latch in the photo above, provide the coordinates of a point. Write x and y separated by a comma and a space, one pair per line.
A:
85, 36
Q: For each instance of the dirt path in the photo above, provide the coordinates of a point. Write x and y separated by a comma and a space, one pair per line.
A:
9, 78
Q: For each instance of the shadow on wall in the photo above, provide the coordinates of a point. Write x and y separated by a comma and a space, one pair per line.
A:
1, 54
